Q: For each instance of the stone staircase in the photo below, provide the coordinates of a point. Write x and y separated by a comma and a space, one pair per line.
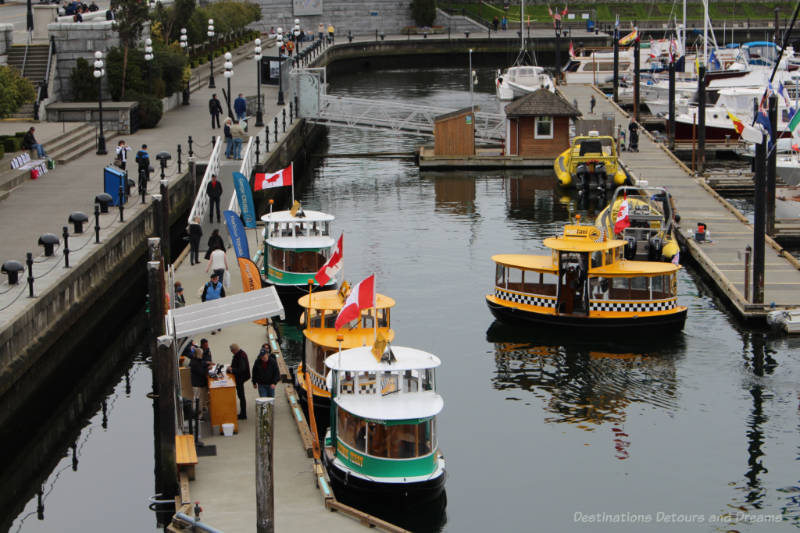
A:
33, 68
75, 143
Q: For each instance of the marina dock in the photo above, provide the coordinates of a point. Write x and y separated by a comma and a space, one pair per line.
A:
721, 257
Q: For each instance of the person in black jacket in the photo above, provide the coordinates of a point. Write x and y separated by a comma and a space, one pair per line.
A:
195, 231
215, 108
265, 373
214, 192
240, 368
143, 165
29, 143
215, 242
198, 369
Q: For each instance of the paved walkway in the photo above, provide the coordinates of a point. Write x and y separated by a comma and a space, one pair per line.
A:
723, 257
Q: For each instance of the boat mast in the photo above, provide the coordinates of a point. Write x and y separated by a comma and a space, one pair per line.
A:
521, 23
705, 33
683, 29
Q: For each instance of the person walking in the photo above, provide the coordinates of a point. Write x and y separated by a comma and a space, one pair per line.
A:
495, 22
633, 137
143, 165
122, 154
321, 31
226, 130
29, 143
592, 103
240, 368
330, 33
215, 242
215, 108
213, 290
214, 192
198, 370
218, 263
240, 107
195, 231
504, 23
266, 374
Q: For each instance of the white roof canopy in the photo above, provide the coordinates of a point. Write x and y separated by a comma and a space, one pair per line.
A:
224, 312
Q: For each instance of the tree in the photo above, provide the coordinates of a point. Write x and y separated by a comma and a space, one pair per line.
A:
129, 19
423, 12
14, 91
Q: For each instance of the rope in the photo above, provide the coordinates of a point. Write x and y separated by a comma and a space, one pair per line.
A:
82, 246
14, 300
55, 264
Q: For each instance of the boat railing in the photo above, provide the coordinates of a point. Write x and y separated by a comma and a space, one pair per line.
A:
317, 379
539, 300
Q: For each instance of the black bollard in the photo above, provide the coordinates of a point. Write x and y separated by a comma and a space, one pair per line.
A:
191, 154
121, 203
276, 129
291, 111
266, 139
65, 235
97, 223
258, 145
179, 159
296, 106
29, 262
284, 120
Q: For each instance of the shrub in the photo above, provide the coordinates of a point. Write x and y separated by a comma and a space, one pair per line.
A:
14, 91
423, 12
12, 144
150, 109
82, 82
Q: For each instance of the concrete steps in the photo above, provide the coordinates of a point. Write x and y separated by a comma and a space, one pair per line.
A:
35, 64
24, 112
76, 143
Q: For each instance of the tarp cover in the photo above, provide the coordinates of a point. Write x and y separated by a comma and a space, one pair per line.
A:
224, 312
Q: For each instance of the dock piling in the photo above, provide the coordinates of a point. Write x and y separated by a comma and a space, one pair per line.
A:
616, 65
97, 223
747, 253
772, 161
265, 504
636, 73
671, 123
759, 222
165, 248
122, 203
164, 363
701, 119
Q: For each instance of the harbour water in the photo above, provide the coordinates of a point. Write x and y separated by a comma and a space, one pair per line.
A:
700, 431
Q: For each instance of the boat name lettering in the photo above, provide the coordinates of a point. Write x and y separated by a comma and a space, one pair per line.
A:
275, 273
587, 232
349, 455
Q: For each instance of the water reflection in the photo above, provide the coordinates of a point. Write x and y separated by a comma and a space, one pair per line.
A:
585, 384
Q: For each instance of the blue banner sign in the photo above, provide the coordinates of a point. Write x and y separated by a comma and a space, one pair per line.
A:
238, 237
245, 197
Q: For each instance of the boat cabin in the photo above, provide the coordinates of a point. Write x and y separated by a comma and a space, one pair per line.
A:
296, 246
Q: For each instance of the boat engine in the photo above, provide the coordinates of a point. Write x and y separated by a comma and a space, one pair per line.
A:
601, 176
630, 248
654, 250
582, 176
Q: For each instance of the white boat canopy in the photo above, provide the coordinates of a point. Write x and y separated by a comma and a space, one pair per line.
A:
308, 216
403, 407
224, 312
361, 360
301, 242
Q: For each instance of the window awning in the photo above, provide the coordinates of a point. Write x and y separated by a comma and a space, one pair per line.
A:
224, 312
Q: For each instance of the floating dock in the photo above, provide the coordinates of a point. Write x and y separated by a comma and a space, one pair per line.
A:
721, 258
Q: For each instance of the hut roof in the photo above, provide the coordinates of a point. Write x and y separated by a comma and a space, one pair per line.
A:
541, 103
457, 112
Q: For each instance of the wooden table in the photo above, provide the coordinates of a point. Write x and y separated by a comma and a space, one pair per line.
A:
222, 402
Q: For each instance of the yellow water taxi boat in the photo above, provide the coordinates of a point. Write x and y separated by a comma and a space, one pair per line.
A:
590, 164
646, 222
587, 284
320, 312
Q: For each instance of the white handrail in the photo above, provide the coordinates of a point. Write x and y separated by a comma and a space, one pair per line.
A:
201, 201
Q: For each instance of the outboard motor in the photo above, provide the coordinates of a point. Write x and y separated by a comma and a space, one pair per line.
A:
601, 175
582, 176
630, 248
654, 250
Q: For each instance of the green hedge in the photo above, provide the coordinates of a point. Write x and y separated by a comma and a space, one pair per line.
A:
14, 91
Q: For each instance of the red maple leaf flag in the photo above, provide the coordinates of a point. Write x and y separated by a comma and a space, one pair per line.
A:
362, 296
571, 50
282, 178
564, 11
332, 266
623, 220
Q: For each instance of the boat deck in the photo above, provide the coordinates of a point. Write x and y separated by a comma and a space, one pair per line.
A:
722, 257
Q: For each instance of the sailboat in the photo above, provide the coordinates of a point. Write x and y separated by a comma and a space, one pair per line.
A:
523, 77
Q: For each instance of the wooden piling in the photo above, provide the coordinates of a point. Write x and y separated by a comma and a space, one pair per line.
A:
164, 366
759, 221
265, 498
772, 169
165, 247
701, 119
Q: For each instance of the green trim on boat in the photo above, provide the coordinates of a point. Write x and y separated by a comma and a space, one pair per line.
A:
379, 467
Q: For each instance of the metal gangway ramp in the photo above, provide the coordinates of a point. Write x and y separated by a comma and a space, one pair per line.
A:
315, 105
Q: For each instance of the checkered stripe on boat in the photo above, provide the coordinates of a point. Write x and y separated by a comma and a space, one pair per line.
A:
317, 380
634, 307
527, 299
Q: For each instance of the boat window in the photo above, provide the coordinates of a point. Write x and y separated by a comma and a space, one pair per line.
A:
597, 259
659, 284
314, 319
620, 289
274, 229
540, 283
277, 258
366, 383
352, 430
367, 319
410, 381
320, 354
346, 383
599, 288
383, 318
429, 379
572, 66
514, 279
500, 276
544, 128
308, 262
330, 319
376, 440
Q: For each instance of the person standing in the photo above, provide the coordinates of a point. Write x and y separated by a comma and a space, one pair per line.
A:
592, 103
218, 262
214, 192
226, 130
239, 135
633, 137
330, 33
195, 231
29, 143
321, 31
504, 23
215, 242
143, 165
495, 22
240, 107
207, 357
240, 368
266, 374
198, 369
122, 154
180, 301
215, 108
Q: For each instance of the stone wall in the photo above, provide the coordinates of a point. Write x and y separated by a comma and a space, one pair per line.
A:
457, 23
6, 40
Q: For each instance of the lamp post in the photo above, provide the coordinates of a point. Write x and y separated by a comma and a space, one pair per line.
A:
279, 42
558, 51
228, 76
471, 100
148, 57
99, 72
211, 84
185, 47
297, 34
257, 57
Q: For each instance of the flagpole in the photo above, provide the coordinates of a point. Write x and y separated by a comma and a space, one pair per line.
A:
375, 307
291, 170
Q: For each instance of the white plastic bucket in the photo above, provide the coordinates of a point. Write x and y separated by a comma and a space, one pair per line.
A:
227, 430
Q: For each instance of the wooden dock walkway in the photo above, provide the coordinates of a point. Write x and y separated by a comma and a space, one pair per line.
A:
721, 259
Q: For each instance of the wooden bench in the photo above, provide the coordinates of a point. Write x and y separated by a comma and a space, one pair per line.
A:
185, 454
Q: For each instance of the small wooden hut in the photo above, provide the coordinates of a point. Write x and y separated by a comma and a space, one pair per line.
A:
454, 133
537, 125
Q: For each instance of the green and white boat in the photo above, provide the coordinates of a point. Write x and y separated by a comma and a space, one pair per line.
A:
296, 245
382, 440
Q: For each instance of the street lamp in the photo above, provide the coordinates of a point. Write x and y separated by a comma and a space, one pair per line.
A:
211, 84
228, 76
148, 57
471, 98
279, 42
99, 72
185, 47
257, 57
297, 34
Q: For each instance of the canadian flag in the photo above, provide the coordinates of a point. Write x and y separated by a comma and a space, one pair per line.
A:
571, 50
362, 296
332, 266
623, 220
282, 178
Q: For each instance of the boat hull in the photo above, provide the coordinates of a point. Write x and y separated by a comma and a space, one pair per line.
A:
377, 493
627, 326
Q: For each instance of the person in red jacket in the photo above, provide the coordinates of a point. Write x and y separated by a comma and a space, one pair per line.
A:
214, 192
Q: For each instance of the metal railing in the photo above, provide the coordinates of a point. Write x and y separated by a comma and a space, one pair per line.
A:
201, 201
42, 89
